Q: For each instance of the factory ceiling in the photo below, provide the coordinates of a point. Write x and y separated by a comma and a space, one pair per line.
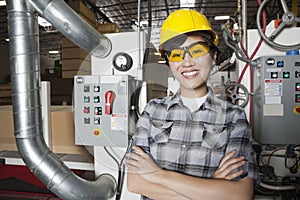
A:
127, 13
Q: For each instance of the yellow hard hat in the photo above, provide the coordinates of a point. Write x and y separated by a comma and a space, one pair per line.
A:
185, 21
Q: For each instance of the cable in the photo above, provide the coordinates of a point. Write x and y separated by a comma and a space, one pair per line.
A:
121, 174
280, 188
121, 169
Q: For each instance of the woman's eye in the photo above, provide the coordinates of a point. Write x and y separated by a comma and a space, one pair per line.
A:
175, 55
197, 51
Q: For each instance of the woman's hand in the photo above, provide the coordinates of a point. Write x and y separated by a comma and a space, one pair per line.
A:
142, 163
228, 167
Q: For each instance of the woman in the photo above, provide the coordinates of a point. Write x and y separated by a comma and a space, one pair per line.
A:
191, 145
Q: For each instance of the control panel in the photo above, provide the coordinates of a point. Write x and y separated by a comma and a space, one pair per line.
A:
101, 110
276, 100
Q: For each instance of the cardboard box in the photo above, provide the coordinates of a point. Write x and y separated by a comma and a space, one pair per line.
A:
107, 28
74, 52
62, 125
72, 73
79, 7
7, 138
5, 90
63, 131
76, 64
65, 43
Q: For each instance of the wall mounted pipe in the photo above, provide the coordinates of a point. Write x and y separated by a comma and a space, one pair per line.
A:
26, 84
71, 25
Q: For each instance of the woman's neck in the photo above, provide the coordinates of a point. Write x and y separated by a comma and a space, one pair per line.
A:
194, 93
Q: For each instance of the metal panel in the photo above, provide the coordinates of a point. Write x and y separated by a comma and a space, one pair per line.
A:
276, 100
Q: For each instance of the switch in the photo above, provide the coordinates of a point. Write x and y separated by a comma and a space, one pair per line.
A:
109, 97
297, 74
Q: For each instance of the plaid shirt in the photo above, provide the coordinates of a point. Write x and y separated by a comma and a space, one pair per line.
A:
194, 143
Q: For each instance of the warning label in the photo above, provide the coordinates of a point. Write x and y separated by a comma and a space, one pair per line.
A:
273, 87
119, 121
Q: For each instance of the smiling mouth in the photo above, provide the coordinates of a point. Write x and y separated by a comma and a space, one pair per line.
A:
190, 74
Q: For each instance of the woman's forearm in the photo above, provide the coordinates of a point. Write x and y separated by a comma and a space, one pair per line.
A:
199, 188
137, 184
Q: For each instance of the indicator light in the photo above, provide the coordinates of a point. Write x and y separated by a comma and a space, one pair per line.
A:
297, 87
96, 99
280, 63
97, 88
86, 110
286, 74
86, 99
86, 88
274, 74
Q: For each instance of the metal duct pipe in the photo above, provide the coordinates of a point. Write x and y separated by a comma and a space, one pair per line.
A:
25, 77
70, 24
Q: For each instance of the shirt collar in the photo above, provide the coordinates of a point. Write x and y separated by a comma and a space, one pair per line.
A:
212, 102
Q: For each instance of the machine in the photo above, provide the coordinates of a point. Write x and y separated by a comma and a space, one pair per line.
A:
276, 99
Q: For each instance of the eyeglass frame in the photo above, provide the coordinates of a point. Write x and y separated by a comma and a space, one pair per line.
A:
167, 53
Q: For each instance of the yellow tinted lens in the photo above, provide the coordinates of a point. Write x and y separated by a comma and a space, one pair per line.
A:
198, 50
176, 55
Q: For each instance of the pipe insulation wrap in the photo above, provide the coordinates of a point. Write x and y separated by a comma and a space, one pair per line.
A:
70, 24
28, 122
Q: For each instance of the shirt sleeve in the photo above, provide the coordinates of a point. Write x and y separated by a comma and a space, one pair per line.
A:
240, 140
141, 135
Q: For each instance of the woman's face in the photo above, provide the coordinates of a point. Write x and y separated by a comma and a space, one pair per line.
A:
192, 73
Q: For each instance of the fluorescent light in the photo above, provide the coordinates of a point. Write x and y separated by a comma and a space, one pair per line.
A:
187, 3
162, 62
2, 3
224, 17
53, 52
43, 22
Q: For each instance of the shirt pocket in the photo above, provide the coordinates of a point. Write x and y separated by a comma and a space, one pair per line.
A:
215, 137
160, 131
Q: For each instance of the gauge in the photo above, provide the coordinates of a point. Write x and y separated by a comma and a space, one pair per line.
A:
122, 61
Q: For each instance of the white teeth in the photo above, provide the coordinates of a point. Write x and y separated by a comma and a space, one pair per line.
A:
189, 73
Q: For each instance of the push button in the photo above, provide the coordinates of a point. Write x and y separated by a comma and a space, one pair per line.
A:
296, 110
97, 132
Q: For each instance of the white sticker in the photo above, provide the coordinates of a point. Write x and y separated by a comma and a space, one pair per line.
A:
119, 122
273, 87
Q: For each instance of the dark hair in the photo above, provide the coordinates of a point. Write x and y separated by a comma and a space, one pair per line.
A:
180, 39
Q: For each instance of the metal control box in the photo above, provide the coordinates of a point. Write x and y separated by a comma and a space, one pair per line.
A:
101, 110
276, 100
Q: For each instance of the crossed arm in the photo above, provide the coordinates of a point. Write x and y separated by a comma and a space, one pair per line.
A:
147, 178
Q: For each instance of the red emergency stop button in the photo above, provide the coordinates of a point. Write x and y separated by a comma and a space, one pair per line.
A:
296, 110
97, 132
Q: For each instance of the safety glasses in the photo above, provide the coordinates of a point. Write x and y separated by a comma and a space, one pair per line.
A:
195, 50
